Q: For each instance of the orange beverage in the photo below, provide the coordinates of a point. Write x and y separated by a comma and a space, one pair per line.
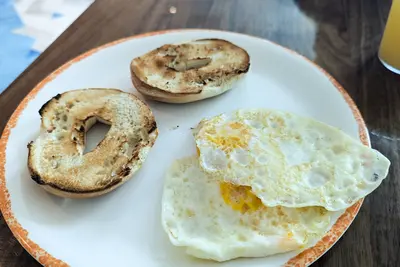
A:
389, 52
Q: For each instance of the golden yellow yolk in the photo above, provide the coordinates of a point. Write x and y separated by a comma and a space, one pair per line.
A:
231, 136
240, 197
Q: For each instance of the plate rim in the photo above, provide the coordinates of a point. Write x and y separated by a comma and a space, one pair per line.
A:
305, 258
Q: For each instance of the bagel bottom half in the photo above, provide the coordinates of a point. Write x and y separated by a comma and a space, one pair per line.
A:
156, 94
56, 159
189, 71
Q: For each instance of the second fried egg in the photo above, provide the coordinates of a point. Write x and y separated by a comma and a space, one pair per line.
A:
222, 221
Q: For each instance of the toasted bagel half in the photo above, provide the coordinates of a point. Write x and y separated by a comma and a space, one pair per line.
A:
56, 160
190, 71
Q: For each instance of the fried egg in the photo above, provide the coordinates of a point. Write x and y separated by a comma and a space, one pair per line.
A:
220, 221
289, 160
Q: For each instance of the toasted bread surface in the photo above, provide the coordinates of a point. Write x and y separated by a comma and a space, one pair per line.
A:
189, 71
56, 160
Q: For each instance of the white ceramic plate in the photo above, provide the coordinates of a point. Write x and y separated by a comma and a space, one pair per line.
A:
123, 228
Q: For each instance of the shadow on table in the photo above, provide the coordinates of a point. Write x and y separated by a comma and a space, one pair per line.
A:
346, 46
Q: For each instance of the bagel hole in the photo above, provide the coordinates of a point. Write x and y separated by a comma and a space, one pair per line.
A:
95, 135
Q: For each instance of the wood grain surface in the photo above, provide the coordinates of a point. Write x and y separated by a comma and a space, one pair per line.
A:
342, 36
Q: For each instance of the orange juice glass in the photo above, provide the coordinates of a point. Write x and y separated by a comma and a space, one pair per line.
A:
389, 51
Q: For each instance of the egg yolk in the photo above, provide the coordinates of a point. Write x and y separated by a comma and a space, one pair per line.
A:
230, 136
240, 197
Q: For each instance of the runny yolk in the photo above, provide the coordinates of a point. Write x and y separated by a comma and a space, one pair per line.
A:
240, 197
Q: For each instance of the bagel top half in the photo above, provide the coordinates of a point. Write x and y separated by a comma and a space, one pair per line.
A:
56, 160
189, 71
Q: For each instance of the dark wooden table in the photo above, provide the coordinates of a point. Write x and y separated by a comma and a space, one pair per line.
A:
342, 36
